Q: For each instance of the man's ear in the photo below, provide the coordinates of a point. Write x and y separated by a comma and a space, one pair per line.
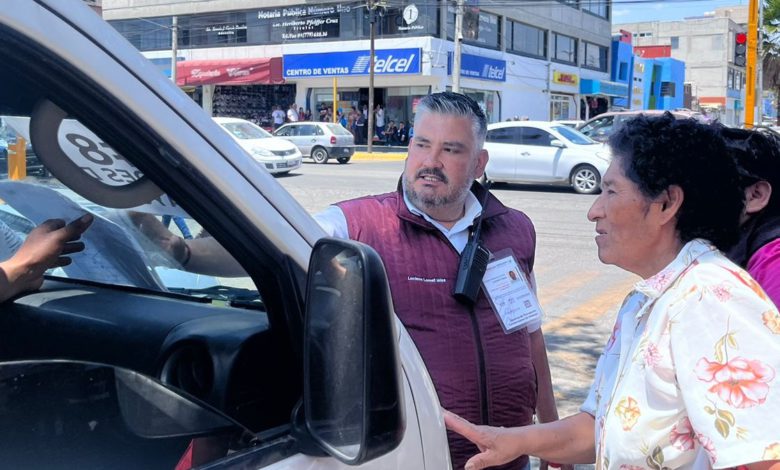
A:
670, 200
482, 159
757, 197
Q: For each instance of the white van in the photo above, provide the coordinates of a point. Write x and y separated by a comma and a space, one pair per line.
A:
282, 353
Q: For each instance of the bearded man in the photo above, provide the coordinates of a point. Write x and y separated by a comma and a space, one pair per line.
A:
482, 370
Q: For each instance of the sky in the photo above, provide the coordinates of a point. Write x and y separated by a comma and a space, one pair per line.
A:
632, 11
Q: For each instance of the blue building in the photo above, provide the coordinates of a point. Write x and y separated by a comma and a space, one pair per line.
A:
653, 82
622, 67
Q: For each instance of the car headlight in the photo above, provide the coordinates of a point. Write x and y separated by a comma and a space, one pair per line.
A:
261, 152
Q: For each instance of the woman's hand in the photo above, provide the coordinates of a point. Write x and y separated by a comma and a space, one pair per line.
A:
497, 445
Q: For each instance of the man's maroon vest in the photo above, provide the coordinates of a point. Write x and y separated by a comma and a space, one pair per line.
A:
479, 372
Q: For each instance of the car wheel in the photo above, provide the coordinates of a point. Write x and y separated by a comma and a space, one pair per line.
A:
585, 179
319, 155
343, 160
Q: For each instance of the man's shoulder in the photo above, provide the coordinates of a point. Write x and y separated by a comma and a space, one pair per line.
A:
370, 201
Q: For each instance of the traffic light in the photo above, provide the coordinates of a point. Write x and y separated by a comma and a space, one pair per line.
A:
740, 49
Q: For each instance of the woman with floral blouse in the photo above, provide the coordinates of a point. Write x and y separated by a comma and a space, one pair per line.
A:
688, 377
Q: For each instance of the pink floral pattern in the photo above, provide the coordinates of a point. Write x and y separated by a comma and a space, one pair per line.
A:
722, 292
706, 442
652, 355
740, 383
660, 281
682, 435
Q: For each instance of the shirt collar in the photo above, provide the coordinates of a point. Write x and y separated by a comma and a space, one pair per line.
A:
473, 210
657, 284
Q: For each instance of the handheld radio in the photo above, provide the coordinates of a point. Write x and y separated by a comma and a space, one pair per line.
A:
473, 263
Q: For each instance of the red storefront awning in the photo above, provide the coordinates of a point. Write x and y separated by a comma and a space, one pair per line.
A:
264, 71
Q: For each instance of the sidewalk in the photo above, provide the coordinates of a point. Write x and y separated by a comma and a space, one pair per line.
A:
380, 153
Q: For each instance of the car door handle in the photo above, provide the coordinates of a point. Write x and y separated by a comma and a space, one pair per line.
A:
525, 154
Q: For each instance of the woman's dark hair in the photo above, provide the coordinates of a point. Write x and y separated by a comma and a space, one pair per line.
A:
757, 154
661, 151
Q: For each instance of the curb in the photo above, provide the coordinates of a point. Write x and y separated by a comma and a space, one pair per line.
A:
379, 156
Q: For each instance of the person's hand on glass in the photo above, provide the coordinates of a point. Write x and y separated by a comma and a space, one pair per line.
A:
46, 246
153, 229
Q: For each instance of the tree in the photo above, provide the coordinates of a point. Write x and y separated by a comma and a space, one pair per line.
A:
770, 48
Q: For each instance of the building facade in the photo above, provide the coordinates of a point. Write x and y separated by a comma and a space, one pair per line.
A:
706, 46
527, 60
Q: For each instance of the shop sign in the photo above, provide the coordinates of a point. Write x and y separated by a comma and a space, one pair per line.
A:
226, 29
483, 68
562, 78
409, 16
333, 64
305, 22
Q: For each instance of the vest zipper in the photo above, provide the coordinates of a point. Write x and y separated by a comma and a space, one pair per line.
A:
481, 362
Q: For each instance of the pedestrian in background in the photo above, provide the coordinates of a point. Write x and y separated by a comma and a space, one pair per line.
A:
361, 129
389, 134
379, 114
278, 117
402, 134
292, 114
758, 160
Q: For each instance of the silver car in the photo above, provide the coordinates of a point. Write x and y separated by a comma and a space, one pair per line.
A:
319, 140
539, 152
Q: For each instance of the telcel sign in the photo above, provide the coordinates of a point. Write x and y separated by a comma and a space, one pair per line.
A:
332, 64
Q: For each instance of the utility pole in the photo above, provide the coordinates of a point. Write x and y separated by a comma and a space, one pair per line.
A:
457, 40
371, 21
750, 66
174, 46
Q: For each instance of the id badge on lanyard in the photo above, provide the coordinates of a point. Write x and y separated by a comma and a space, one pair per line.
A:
510, 293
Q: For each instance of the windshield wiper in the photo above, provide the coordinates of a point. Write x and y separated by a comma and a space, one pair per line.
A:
231, 296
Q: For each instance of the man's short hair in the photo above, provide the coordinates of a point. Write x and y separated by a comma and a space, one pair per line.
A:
455, 104
757, 154
660, 151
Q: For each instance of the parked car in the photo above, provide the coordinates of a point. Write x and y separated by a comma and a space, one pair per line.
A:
319, 140
600, 127
112, 364
544, 153
277, 155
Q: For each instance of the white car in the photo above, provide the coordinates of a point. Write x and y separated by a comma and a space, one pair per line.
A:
110, 364
573, 123
278, 155
538, 152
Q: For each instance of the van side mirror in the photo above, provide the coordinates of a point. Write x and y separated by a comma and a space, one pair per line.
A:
353, 402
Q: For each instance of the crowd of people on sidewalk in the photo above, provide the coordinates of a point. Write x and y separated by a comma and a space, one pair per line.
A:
354, 120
